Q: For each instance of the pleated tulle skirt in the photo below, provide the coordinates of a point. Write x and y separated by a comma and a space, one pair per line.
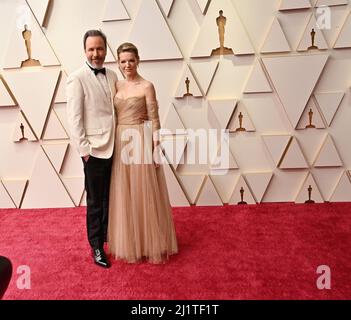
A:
140, 218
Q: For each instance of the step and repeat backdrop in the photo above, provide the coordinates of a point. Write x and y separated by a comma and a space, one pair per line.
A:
265, 84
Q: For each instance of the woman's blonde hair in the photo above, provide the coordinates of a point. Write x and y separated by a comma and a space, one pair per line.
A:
128, 47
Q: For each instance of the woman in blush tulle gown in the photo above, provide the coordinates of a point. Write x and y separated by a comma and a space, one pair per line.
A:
140, 218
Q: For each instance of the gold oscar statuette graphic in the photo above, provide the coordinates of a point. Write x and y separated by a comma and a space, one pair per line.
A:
240, 116
27, 35
221, 21
187, 85
313, 34
309, 195
22, 131
242, 196
310, 116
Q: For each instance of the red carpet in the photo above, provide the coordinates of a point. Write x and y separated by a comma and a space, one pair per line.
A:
268, 251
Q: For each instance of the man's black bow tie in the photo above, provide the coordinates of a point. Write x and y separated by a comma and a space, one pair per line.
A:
97, 71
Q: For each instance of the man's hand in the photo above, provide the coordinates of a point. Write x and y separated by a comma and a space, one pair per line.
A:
86, 158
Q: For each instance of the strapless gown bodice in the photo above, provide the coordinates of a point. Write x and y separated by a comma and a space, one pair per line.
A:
131, 110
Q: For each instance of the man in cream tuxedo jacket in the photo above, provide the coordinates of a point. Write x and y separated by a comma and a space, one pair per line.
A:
91, 117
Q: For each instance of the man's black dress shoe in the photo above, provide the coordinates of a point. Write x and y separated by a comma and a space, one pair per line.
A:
100, 258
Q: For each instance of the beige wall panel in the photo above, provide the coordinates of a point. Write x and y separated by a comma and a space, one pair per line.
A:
174, 147
34, 90
294, 4
205, 71
327, 180
311, 142
172, 123
39, 8
343, 40
304, 195
235, 36
225, 183
267, 116
203, 5
311, 116
275, 39
328, 156
338, 17
241, 113
166, 6
192, 185
223, 110
294, 24
40, 47
194, 89
60, 96
230, 78
295, 90
257, 82
45, 189
342, 191
176, 194
27, 134
75, 188
114, 11
54, 129
56, 154
249, 152
238, 196
15, 189
330, 2
306, 40
5, 200
258, 183
285, 185
329, 103
293, 157
5, 97
276, 145
148, 23
208, 195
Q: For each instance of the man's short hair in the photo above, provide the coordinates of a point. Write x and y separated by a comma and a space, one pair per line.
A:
94, 33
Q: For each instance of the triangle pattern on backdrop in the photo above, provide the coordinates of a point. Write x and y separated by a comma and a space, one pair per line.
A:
328, 155
241, 193
257, 82
342, 192
56, 154
235, 36
329, 103
309, 191
293, 158
23, 131
45, 189
294, 4
188, 77
306, 40
16, 189
295, 91
208, 195
311, 117
39, 46
276, 145
115, 11
275, 40
5, 97
258, 182
34, 103
166, 6
39, 9
344, 38
149, 22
